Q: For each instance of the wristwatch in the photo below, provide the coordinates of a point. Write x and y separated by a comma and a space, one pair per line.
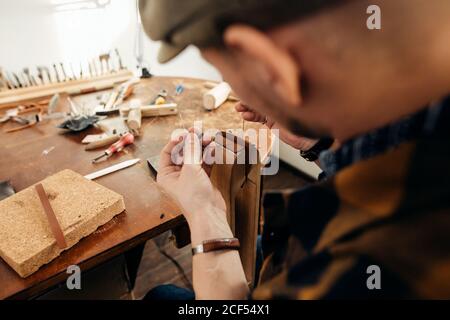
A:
216, 244
313, 153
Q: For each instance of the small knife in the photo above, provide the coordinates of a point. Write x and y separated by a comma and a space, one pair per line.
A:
114, 168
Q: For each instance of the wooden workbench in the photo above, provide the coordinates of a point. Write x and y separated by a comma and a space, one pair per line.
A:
32, 154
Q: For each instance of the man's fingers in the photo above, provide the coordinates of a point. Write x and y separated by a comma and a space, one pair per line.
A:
165, 159
206, 139
240, 107
209, 158
209, 154
192, 151
248, 114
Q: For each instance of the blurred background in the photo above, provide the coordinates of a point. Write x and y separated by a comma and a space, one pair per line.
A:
44, 32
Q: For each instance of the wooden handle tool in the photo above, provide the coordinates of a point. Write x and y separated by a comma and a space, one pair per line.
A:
154, 110
102, 143
134, 119
215, 97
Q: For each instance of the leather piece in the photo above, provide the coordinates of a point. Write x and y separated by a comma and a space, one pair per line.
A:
51, 217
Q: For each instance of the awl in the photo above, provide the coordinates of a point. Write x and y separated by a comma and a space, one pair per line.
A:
116, 147
114, 168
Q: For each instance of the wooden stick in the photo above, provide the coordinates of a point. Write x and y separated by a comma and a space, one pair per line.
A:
153, 110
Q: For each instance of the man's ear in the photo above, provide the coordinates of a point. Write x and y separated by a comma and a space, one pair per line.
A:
284, 74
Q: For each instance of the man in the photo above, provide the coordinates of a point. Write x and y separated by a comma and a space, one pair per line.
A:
379, 226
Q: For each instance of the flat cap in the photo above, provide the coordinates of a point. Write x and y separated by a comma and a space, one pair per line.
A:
179, 23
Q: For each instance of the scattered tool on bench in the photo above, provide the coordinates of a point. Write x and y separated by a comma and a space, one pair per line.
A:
114, 168
38, 82
116, 98
134, 119
106, 140
116, 147
28, 115
17, 115
135, 112
94, 137
218, 94
154, 110
179, 89
160, 97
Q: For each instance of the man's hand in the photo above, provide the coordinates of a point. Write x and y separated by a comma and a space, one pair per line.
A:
299, 143
189, 184
216, 275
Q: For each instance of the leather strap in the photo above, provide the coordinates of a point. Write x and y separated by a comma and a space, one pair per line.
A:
51, 217
217, 244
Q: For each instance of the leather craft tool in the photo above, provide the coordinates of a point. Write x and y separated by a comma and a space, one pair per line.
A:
116, 98
94, 137
55, 69
153, 110
127, 139
215, 97
114, 168
134, 119
31, 84
107, 140
16, 78
119, 59
162, 94
66, 78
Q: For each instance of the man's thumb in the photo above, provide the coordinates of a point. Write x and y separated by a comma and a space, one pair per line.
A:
192, 150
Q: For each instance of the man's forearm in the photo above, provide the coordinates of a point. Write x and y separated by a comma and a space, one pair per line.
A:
217, 274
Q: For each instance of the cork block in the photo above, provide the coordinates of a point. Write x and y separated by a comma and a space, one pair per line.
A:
80, 206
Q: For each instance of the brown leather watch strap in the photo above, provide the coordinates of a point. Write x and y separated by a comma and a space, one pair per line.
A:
217, 244
51, 217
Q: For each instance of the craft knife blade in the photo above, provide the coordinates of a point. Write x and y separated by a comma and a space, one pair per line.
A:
114, 168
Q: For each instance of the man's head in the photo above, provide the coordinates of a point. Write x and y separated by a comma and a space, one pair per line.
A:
320, 71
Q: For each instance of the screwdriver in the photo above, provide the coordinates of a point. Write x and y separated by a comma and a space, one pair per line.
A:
116, 147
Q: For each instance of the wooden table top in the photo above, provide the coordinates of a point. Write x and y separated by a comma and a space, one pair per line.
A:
31, 155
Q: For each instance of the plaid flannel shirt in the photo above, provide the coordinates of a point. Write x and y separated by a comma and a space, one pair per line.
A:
387, 205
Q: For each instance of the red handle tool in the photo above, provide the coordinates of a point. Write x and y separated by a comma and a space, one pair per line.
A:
116, 147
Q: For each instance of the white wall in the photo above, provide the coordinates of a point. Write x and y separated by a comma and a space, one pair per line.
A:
32, 33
